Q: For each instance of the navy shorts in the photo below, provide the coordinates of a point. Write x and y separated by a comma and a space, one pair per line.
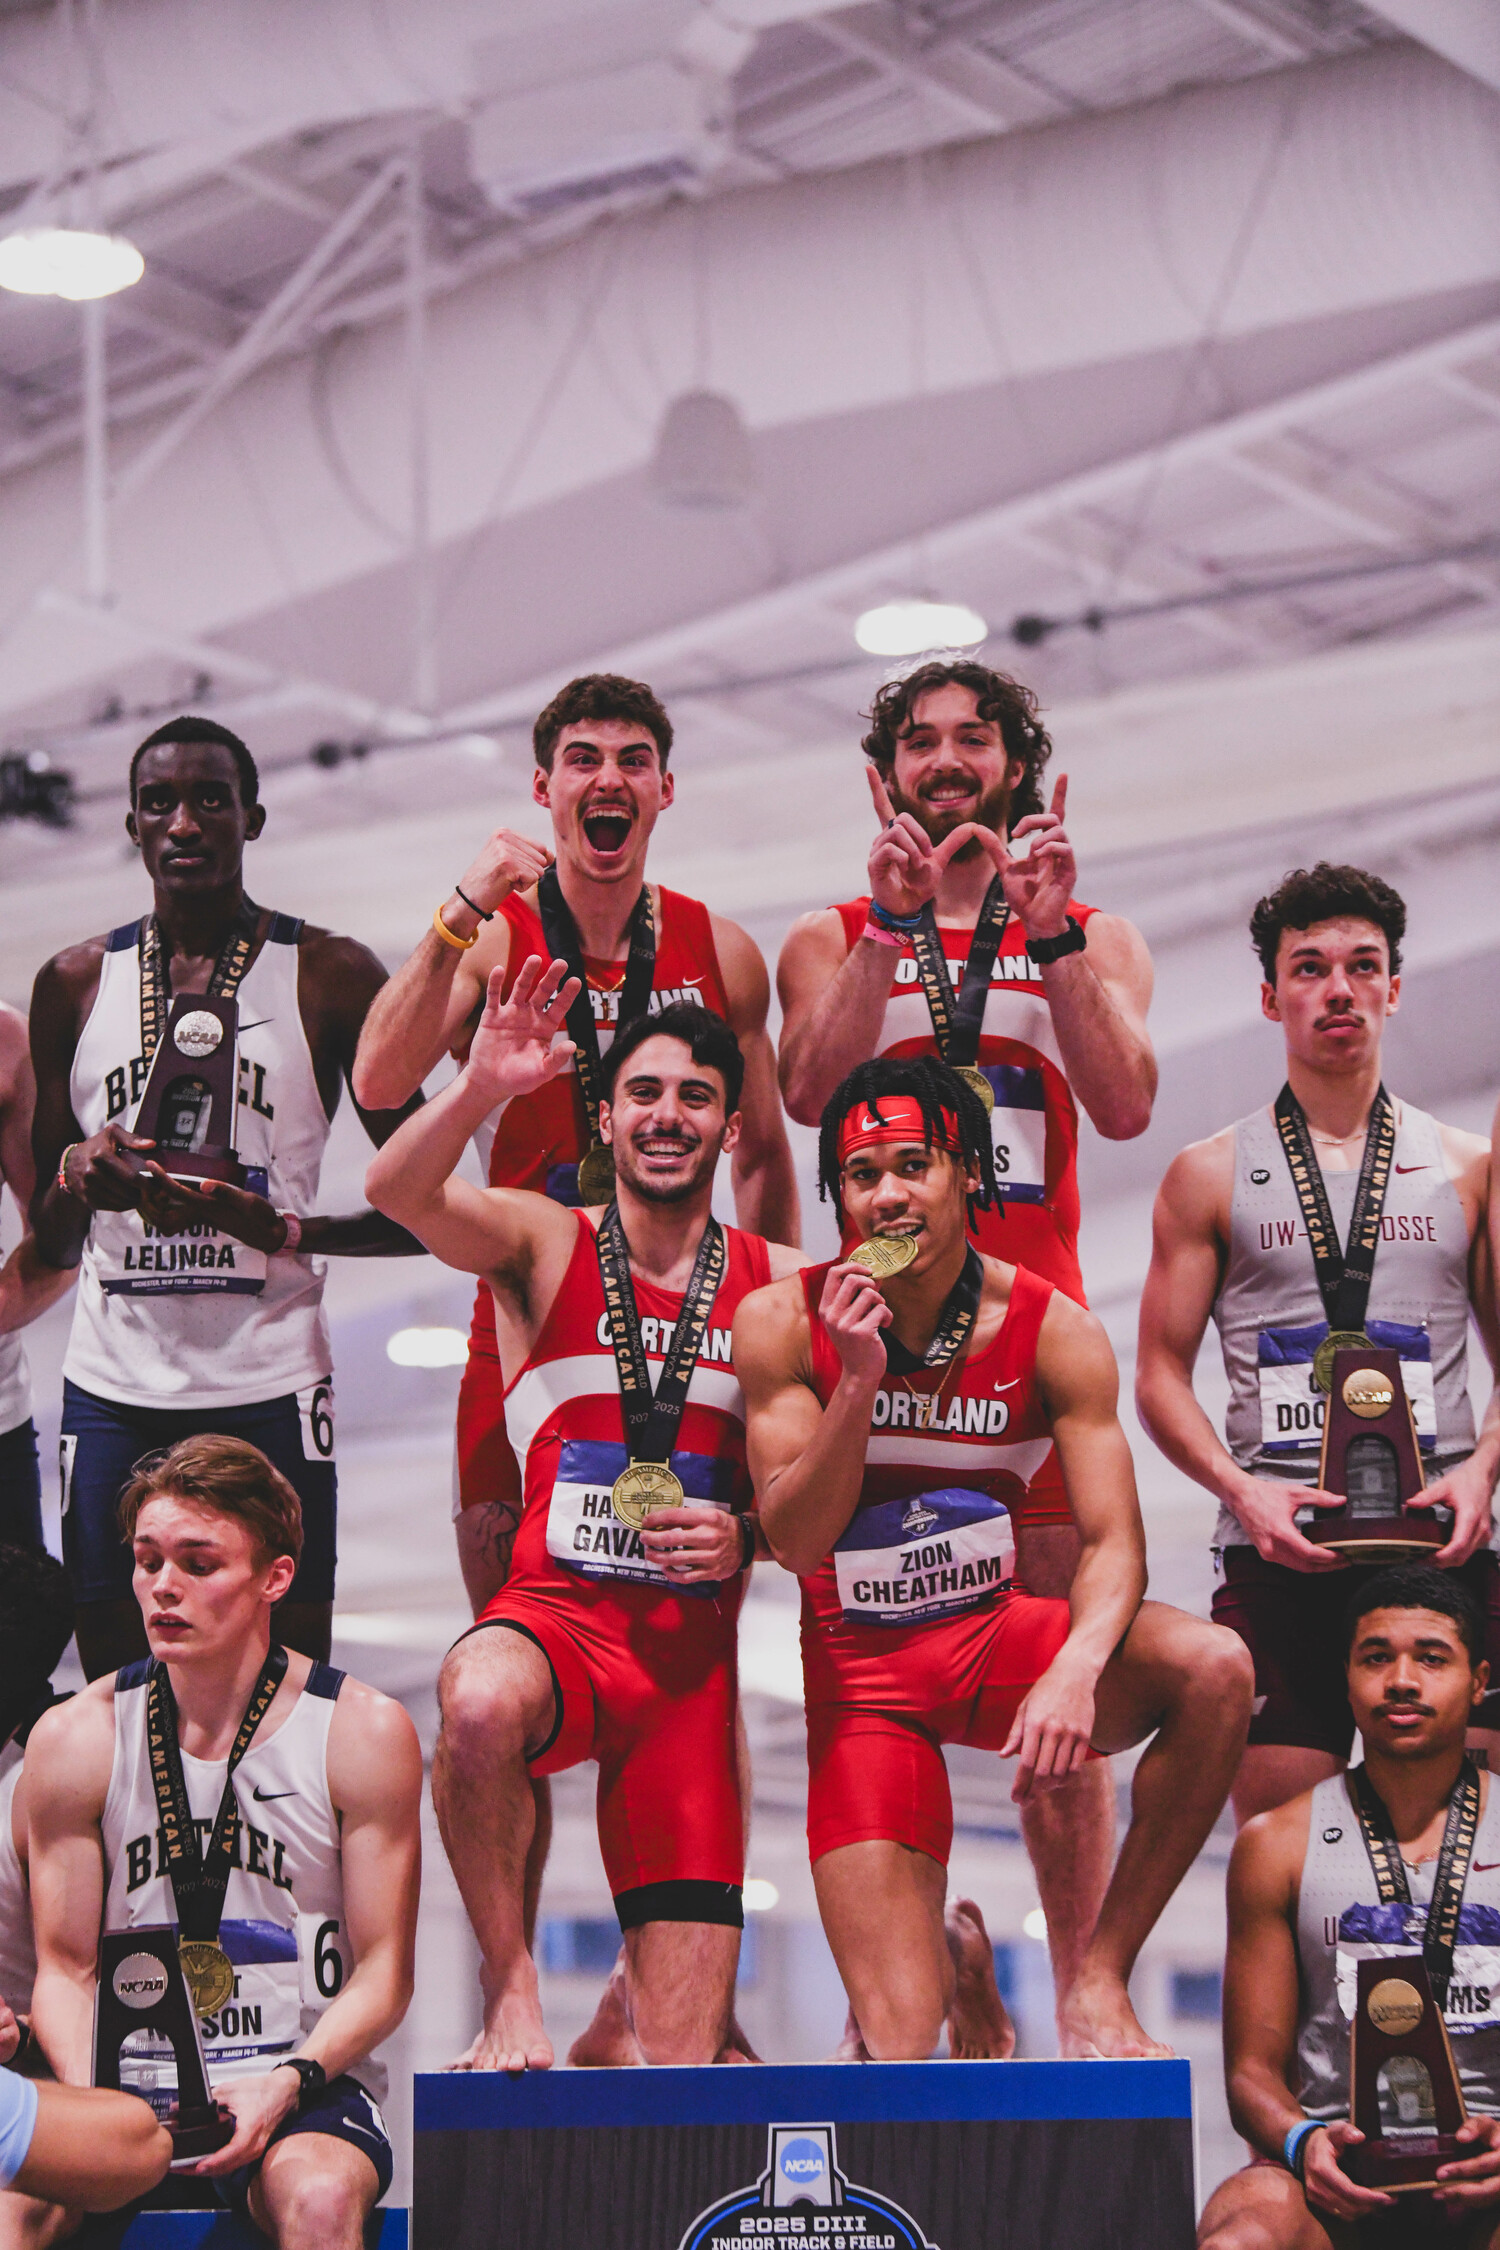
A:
102, 1441
20, 1487
345, 2112
1292, 1622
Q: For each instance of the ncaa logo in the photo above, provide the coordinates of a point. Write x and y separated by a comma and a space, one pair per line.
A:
803, 2171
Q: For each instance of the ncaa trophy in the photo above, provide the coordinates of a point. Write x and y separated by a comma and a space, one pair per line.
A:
1404, 2092
188, 1105
142, 1988
1371, 1455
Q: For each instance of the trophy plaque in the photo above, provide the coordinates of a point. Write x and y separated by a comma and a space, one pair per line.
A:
142, 1988
1404, 2093
1371, 1455
188, 1105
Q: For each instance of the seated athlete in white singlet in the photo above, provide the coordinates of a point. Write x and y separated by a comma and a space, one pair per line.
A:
1344, 1873
614, 1635
299, 1868
890, 1429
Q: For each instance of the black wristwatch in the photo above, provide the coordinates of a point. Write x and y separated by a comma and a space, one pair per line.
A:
312, 2074
1068, 940
747, 1541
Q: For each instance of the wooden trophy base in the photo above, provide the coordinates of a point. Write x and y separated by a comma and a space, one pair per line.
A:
1402, 2167
190, 1164
1414, 1535
199, 2131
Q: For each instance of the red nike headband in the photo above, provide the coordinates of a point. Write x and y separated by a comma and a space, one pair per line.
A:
902, 1121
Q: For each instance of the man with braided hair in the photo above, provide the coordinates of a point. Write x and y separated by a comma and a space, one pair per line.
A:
897, 1402
969, 944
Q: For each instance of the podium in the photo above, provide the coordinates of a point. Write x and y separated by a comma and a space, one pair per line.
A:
213, 2230
886, 2156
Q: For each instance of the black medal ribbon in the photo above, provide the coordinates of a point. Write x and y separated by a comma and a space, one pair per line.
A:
564, 944
960, 1309
1441, 1933
652, 1419
958, 1019
1344, 1275
156, 985
199, 1878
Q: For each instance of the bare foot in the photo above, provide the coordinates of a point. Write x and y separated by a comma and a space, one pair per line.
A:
513, 2037
851, 2048
979, 2029
609, 2042
1097, 2023
737, 2047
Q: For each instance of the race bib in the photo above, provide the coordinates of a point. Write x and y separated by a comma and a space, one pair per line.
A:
325, 1961
1291, 1405
1018, 1128
932, 1555
1373, 1933
133, 1260
315, 1413
584, 1533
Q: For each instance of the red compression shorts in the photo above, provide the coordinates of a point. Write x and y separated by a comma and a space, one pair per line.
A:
876, 1769
489, 1474
657, 1709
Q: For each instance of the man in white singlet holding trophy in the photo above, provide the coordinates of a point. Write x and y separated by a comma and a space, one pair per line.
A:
1397, 1204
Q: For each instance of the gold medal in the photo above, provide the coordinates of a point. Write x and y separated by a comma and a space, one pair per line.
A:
209, 1974
642, 1486
1337, 1340
1395, 2007
884, 1255
596, 1175
980, 1084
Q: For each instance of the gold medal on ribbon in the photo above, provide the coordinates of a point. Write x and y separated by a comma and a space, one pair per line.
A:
981, 1085
884, 1255
208, 1972
596, 1175
1337, 1340
642, 1486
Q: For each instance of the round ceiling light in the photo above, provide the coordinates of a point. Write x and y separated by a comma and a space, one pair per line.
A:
905, 628
427, 1347
68, 262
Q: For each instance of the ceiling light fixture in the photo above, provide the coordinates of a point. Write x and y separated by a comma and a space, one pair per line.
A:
760, 1895
905, 628
68, 262
428, 1347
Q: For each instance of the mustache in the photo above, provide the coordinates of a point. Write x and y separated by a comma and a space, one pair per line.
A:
1410, 1706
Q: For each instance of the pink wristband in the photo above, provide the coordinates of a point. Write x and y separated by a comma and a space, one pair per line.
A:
881, 936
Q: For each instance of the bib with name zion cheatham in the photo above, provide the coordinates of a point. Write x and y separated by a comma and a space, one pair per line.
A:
949, 1453
283, 1928
1035, 1118
565, 1421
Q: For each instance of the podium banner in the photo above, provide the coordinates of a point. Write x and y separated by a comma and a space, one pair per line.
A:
882, 2156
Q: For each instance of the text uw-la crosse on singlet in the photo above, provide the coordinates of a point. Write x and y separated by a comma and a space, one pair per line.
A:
949, 1456
283, 1926
1035, 1122
1271, 1318
198, 1319
565, 1421
540, 1137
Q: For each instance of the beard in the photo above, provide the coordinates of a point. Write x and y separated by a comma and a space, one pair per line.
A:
651, 1188
993, 812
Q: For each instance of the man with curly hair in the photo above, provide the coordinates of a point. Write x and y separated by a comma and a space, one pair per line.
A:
1231, 1243
970, 945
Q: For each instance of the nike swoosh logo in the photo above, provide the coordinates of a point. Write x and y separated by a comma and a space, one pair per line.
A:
693, 980
1485, 1866
261, 1022
269, 1796
1419, 1168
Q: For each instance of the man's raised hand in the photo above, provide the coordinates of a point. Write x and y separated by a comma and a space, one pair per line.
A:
517, 1047
905, 865
1038, 887
507, 863
854, 1312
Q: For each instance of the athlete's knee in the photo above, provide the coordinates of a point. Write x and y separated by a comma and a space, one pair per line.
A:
488, 1705
902, 2027
1259, 2208
1223, 1673
316, 2209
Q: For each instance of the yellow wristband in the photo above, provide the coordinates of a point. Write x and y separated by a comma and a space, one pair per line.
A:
459, 944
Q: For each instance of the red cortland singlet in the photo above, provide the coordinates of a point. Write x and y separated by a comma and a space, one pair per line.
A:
1035, 1121
644, 1672
537, 1144
912, 1634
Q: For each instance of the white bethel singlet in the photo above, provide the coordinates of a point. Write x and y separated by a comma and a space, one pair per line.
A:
1270, 1316
197, 1320
15, 1383
1341, 1922
283, 1923
17, 1950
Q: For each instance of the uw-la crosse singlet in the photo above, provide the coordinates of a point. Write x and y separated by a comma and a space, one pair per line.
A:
565, 1421
949, 1456
1035, 1122
540, 1137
